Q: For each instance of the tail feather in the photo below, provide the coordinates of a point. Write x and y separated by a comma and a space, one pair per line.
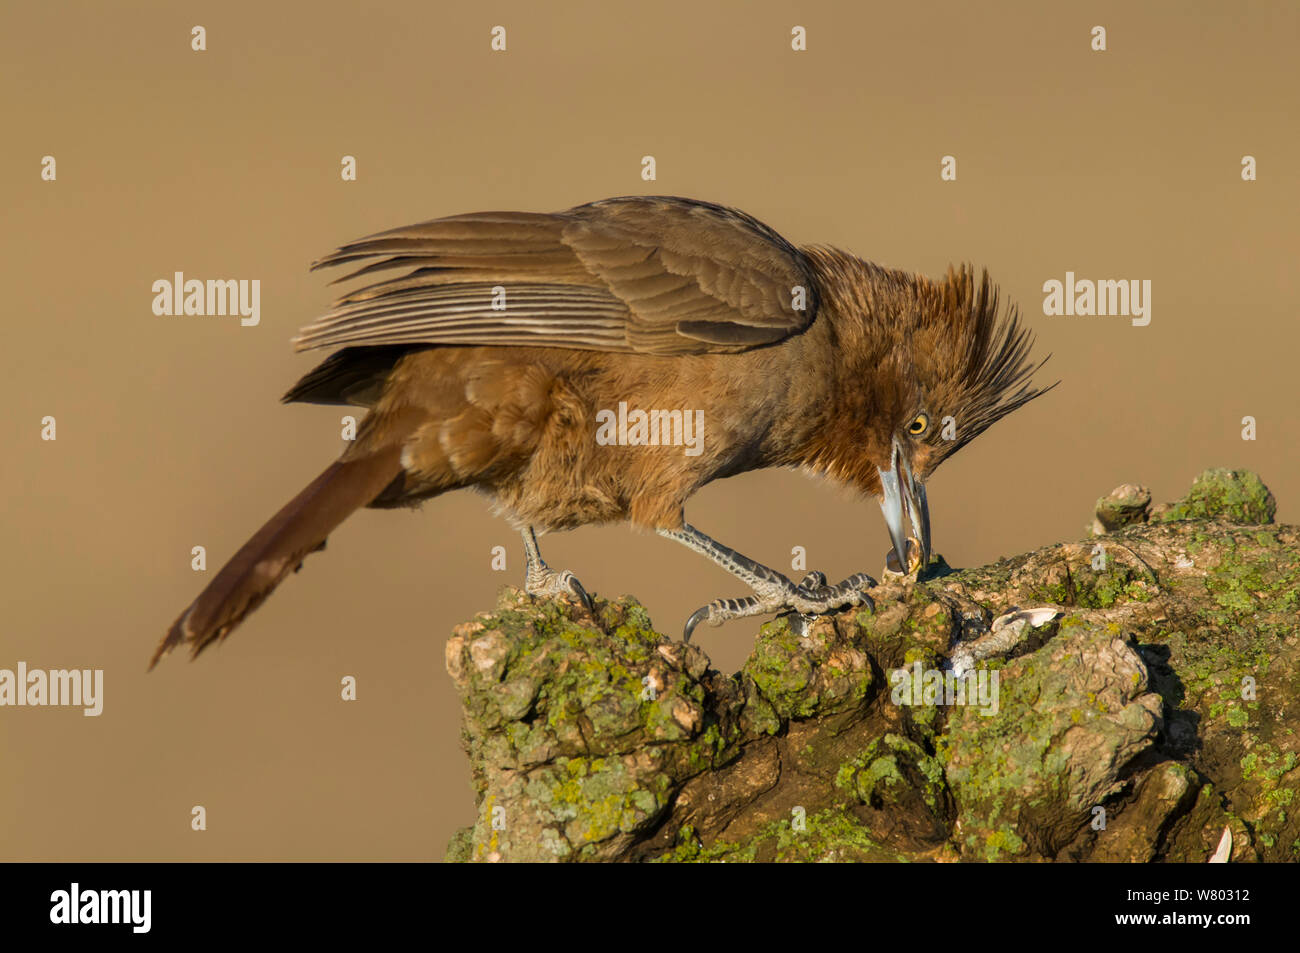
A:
279, 547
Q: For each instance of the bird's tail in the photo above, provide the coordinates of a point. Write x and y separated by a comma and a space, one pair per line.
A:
279, 547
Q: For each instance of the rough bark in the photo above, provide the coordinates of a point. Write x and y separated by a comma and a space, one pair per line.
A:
1155, 707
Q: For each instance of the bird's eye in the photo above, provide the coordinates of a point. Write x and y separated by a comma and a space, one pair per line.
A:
919, 425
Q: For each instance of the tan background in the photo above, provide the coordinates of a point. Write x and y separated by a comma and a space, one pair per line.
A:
1123, 164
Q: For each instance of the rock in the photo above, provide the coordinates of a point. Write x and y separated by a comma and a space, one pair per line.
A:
1122, 506
1128, 698
1073, 717
1235, 496
1164, 792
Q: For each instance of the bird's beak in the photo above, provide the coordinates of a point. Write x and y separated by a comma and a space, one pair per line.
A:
901, 492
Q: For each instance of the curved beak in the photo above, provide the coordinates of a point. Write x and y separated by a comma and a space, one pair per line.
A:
902, 494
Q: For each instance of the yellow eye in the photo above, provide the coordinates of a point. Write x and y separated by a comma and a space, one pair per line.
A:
919, 425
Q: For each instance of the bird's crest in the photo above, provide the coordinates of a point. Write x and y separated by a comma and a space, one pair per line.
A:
971, 361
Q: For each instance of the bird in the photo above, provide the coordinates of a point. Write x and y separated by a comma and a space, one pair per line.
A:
508, 344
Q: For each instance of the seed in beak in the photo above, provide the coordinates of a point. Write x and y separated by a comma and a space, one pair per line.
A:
913, 558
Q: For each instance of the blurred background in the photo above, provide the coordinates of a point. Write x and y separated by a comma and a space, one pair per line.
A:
226, 164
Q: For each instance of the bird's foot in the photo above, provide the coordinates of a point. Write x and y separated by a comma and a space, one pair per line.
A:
850, 592
812, 597
546, 582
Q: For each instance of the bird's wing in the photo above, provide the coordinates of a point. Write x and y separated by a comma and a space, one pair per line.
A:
657, 275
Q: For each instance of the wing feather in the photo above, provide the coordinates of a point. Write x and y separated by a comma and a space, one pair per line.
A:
658, 275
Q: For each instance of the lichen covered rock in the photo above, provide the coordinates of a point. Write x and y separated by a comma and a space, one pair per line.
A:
1072, 718
1122, 506
1149, 705
1236, 496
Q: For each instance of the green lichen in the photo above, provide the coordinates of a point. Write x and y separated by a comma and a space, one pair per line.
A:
596, 798
1003, 841
461, 846
1083, 587
887, 767
829, 836
1237, 496
802, 678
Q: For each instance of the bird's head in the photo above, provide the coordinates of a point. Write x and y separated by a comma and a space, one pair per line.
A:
925, 366
969, 367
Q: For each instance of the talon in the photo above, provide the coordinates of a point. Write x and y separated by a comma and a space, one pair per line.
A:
575, 587
544, 582
698, 616
808, 600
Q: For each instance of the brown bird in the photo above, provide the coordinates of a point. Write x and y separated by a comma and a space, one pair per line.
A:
603, 363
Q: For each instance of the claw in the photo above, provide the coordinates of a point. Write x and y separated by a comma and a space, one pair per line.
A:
546, 582
576, 588
698, 616
803, 601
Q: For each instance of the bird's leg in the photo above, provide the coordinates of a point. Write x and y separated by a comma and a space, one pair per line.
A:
773, 592
542, 580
